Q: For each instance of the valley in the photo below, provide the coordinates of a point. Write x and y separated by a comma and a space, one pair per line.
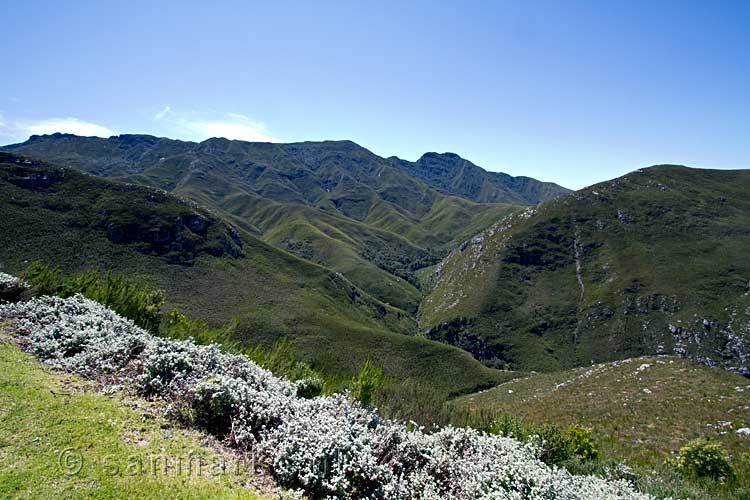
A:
476, 301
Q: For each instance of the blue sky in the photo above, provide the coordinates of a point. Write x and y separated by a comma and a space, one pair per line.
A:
571, 92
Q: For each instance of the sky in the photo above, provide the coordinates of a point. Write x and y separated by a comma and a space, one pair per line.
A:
570, 92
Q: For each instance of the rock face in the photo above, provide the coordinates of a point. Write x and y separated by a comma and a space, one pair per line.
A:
648, 263
181, 240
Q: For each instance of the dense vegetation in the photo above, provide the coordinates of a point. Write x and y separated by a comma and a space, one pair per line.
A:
645, 412
224, 277
327, 447
333, 203
650, 263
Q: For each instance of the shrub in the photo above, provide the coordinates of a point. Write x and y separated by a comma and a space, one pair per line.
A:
366, 382
213, 406
179, 326
139, 303
310, 387
555, 446
581, 442
282, 360
703, 458
44, 278
326, 446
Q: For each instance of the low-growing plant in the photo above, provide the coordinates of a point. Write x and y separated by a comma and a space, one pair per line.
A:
703, 458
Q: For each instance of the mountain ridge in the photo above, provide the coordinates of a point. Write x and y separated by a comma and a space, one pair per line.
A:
648, 263
333, 202
79, 222
455, 175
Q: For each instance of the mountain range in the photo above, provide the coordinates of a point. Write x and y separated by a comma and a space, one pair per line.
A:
446, 272
333, 203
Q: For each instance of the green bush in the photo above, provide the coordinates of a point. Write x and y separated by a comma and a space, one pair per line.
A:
703, 458
581, 442
279, 359
310, 387
556, 446
366, 383
179, 326
132, 300
44, 278
282, 361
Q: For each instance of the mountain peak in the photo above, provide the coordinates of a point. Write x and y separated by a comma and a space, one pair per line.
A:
446, 155
452, 174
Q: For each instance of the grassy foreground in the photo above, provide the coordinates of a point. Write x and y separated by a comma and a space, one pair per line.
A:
58, 440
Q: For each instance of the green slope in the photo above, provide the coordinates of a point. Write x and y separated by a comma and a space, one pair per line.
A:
641, 409
653, 262
214, 272
333, 203
59, 438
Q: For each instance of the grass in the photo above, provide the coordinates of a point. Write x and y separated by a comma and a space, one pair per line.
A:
638, 415
52, 424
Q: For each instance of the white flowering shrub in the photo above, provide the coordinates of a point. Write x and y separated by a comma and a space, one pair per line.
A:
76, 334
11, 287
327, 447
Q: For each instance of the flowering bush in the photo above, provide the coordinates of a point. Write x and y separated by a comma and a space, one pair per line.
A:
329, 447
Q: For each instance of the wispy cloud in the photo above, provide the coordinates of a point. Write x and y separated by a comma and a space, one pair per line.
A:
164, 112
229, 125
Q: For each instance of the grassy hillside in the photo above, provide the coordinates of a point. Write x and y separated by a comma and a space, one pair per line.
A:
651, 263
59, 438
333, 203
642, 412
641, 409
214, 272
